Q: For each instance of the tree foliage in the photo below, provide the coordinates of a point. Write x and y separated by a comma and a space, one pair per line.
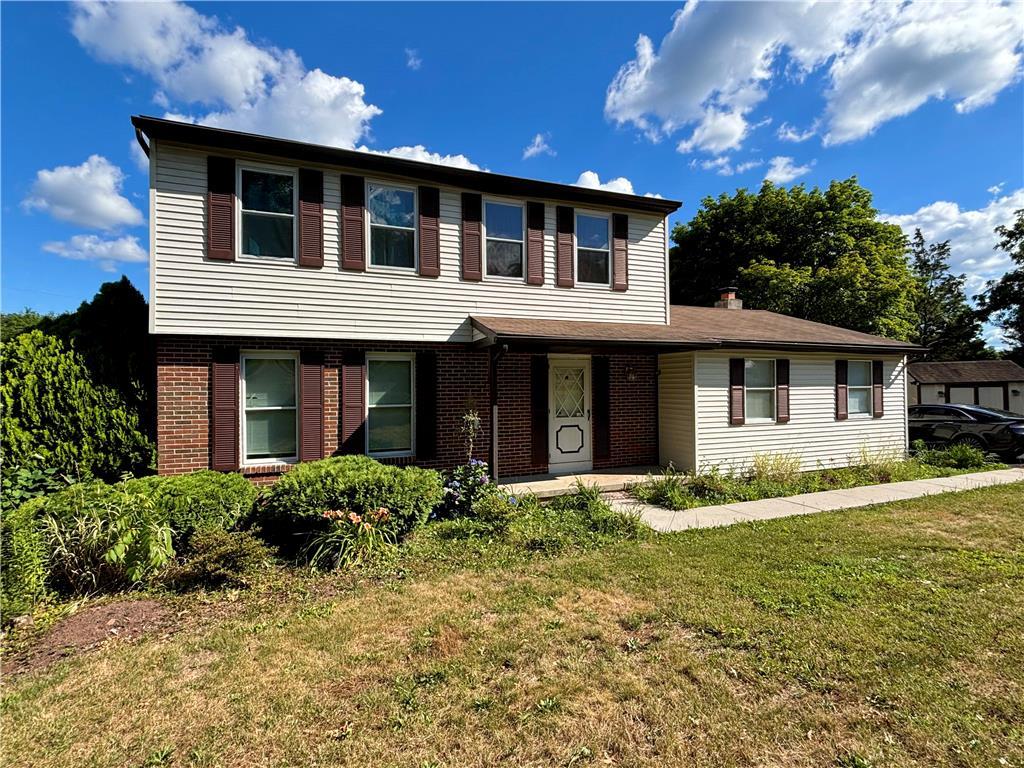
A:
946, 323
816, 254
1002, 299
56, 415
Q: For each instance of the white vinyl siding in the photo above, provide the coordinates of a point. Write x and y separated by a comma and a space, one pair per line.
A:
676, 421
813, 433
274, 298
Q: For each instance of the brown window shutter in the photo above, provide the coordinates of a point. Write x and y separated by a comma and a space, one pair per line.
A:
426, 406
311, 218
353, 403
565, 226
539, 411
601, 396
472, 213
224, 410
782, 391
535, 243
311, 406
737, 375
877, 389
353, 242
841, 403
220, 208
430, 231
620, 250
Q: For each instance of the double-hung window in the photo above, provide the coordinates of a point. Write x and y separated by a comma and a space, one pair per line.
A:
759, 386
268, 213
503, 224
593, 249
269, 397
392, 212
858, 387
390, 390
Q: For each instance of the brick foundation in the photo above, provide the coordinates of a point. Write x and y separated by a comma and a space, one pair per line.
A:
183, 403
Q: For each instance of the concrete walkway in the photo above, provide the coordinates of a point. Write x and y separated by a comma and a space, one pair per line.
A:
549, 486
666, 520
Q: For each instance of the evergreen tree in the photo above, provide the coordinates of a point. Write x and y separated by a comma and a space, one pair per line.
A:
946, 324
1003, 298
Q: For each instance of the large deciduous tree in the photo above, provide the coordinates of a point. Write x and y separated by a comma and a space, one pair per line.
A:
817, 254
1002, 299
946, 323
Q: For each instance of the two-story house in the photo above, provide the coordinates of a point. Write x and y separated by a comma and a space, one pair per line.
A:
308, 301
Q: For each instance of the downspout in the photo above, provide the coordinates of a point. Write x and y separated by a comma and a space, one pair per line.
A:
496, 354
142, 141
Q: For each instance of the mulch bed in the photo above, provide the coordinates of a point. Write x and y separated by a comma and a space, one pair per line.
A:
90, 628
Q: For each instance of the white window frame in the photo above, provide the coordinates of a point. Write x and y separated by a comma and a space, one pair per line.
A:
276, 170
576, 248
266, 355
410, 358
370, 225
773, 389
869, 387
483, 225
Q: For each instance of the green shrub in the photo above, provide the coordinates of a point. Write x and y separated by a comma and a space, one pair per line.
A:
220, 558
497, 509
296, 502
197, 501
350, 539
56, 415
103, 537
23, 554
957, 456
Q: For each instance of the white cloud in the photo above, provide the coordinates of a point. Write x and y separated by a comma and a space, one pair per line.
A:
591, 180
539, 146
107, 253
423, 155
138, 156
195, 60
970, 232
723, 166
88, 194
412, 59
881, 60
996, 189
790, 133
782, 170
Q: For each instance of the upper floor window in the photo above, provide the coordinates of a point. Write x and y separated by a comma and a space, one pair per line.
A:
268, 213
503, 224
858, 389
592, 249
269, 397
759, 384
392, 213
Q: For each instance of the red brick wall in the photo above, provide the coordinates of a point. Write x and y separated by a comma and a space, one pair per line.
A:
183, 373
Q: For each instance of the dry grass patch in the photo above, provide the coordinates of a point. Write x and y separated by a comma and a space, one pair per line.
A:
891, 636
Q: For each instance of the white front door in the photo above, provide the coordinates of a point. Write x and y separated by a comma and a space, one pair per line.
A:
569, 415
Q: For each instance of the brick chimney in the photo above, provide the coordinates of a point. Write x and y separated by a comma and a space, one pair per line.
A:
728, 299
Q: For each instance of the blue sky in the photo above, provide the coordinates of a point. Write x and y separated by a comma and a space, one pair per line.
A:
924, 103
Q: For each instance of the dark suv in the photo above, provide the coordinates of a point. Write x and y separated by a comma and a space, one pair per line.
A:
989, 429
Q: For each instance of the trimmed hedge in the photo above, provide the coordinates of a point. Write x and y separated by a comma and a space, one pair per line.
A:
297, 501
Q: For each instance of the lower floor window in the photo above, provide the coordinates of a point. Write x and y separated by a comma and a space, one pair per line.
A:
389, 419
759, 378
858, 391
269, 401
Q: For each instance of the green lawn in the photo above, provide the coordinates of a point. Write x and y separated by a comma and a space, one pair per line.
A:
877, 637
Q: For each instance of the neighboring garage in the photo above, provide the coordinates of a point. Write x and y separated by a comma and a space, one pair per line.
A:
991, 383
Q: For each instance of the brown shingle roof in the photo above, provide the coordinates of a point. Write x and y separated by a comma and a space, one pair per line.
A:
966, 372
693, 327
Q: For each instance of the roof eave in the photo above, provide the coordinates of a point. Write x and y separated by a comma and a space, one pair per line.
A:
479, 181
811, 346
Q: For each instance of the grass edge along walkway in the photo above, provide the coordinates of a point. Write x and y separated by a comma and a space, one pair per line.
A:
666, 520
